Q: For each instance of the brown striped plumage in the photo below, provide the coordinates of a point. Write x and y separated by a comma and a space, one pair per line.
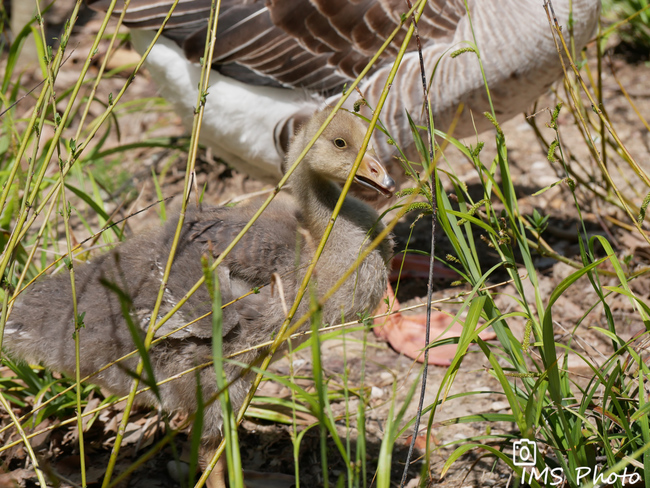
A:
318, 46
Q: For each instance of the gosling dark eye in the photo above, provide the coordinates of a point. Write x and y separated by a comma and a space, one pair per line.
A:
340, 143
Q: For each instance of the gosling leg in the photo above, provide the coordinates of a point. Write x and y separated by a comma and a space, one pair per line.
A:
217, 478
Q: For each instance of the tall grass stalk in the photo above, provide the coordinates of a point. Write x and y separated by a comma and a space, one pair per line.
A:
78, 325
235, 471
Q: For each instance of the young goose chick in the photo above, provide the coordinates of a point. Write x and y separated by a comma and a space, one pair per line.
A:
41, 323
276, 61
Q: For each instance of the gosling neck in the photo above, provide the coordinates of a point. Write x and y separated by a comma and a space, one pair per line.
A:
317, 197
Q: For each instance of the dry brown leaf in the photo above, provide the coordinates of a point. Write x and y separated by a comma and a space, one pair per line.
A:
15, 478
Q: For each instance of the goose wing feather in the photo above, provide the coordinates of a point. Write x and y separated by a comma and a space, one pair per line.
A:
317, 45
127, 278
268, 247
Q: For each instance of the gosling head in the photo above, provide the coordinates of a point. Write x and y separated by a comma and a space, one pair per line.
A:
335, 151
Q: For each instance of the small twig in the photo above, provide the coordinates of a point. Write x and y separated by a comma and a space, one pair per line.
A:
30, 91
118, 222
21, 98
434, 212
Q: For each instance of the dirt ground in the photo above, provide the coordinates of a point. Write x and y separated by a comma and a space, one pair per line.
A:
267, 446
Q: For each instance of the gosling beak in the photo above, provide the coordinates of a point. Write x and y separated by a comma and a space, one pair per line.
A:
372, 174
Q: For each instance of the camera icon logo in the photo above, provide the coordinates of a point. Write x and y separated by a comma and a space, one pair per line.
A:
524, 453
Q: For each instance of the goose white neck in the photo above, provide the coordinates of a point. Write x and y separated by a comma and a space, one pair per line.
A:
239, 119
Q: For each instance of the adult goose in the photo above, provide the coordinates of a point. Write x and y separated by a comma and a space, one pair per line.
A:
276, 61
280, 244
